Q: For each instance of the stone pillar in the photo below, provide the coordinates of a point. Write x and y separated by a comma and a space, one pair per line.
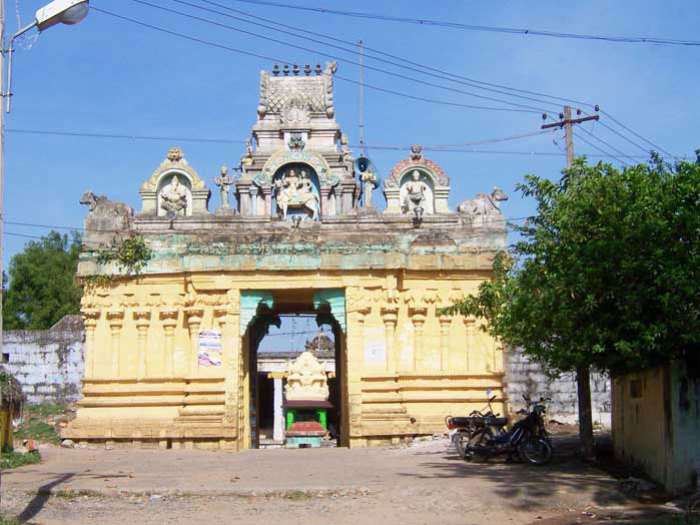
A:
390, 317
169, 320
194, 321
348, 193
116, 321
445, 323
325, 203
267, 196
244, 196
228, 317
254, 208
418, 315
278, 430
143, 320
469, 327
90, 318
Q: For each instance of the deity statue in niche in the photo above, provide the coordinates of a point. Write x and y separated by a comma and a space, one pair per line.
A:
416, 193
294, 191
173, 197
306, 379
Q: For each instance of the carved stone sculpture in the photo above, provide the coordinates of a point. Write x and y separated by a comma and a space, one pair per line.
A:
296, 191
223, 181
415, 193
306, 379
483, 205
173, 197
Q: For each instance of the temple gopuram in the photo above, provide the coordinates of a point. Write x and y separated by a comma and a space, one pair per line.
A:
297, 228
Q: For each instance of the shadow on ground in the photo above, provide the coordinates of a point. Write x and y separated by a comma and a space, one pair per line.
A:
526, 487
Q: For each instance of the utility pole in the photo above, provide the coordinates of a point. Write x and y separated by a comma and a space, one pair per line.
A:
583, 373
361, 46
567, 123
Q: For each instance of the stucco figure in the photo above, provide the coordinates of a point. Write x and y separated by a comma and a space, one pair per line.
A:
416, 191
173, 197
306, 379
484, 205
296, 191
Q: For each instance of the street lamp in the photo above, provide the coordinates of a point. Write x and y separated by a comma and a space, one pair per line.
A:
56, 12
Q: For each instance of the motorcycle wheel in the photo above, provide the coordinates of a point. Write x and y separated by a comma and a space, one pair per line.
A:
476, 446
461, 441
535, 450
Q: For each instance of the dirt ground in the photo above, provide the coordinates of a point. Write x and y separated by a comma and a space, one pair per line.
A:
425, 483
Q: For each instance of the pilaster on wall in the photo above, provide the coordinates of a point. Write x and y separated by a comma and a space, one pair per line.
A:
389, 318
90, 318
418, 315
193, 315
168, 318
445, 324
115, 318
142, 319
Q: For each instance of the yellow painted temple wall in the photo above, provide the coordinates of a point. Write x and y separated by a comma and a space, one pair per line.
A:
404, 367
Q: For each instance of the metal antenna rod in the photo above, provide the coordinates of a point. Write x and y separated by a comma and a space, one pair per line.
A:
361, 46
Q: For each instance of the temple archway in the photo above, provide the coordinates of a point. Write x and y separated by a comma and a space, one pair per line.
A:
264, 374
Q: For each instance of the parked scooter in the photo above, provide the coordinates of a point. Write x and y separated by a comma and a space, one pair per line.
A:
527, 439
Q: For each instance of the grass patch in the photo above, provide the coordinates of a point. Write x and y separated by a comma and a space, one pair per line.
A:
39, 423
9, 521
38, 431
10, 460
44, 410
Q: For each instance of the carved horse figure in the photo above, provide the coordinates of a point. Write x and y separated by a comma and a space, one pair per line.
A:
483, 204
296, 193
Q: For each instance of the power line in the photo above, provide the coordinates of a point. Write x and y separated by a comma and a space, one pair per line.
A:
605, 143
475, 82
437, 148
468, 106
421, 69
657, 148
273, 59
600, 149
490, 29
335, 57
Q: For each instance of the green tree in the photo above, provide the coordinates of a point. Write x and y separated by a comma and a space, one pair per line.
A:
605, 275
42, 287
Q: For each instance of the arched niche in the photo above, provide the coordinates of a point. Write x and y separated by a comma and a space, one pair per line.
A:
418, 181
173, 187
432, 178
174, 167
296, 191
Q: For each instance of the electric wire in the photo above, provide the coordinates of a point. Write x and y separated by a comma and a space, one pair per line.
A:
405, 95
296, 30
491, 29
274, 59
402, 76
655, 146
532, 109
601, 150
437, 148
421, 69
605, 143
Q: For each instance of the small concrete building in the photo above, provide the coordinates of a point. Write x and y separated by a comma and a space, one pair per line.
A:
656, 423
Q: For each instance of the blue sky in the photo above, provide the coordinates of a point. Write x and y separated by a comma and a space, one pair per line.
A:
109, 76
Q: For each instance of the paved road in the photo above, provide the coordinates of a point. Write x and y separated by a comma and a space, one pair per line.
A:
422, 484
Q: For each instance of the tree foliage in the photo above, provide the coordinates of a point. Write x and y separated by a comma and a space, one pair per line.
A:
606, 274
42, 287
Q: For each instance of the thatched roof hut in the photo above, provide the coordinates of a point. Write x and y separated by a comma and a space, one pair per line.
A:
11, 396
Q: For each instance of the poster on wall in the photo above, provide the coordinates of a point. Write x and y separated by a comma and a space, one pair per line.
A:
375, 347
209, 352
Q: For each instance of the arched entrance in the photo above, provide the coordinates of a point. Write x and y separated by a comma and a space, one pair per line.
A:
261, 390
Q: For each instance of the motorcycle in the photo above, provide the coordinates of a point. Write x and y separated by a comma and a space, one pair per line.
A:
461, 429
527, 439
